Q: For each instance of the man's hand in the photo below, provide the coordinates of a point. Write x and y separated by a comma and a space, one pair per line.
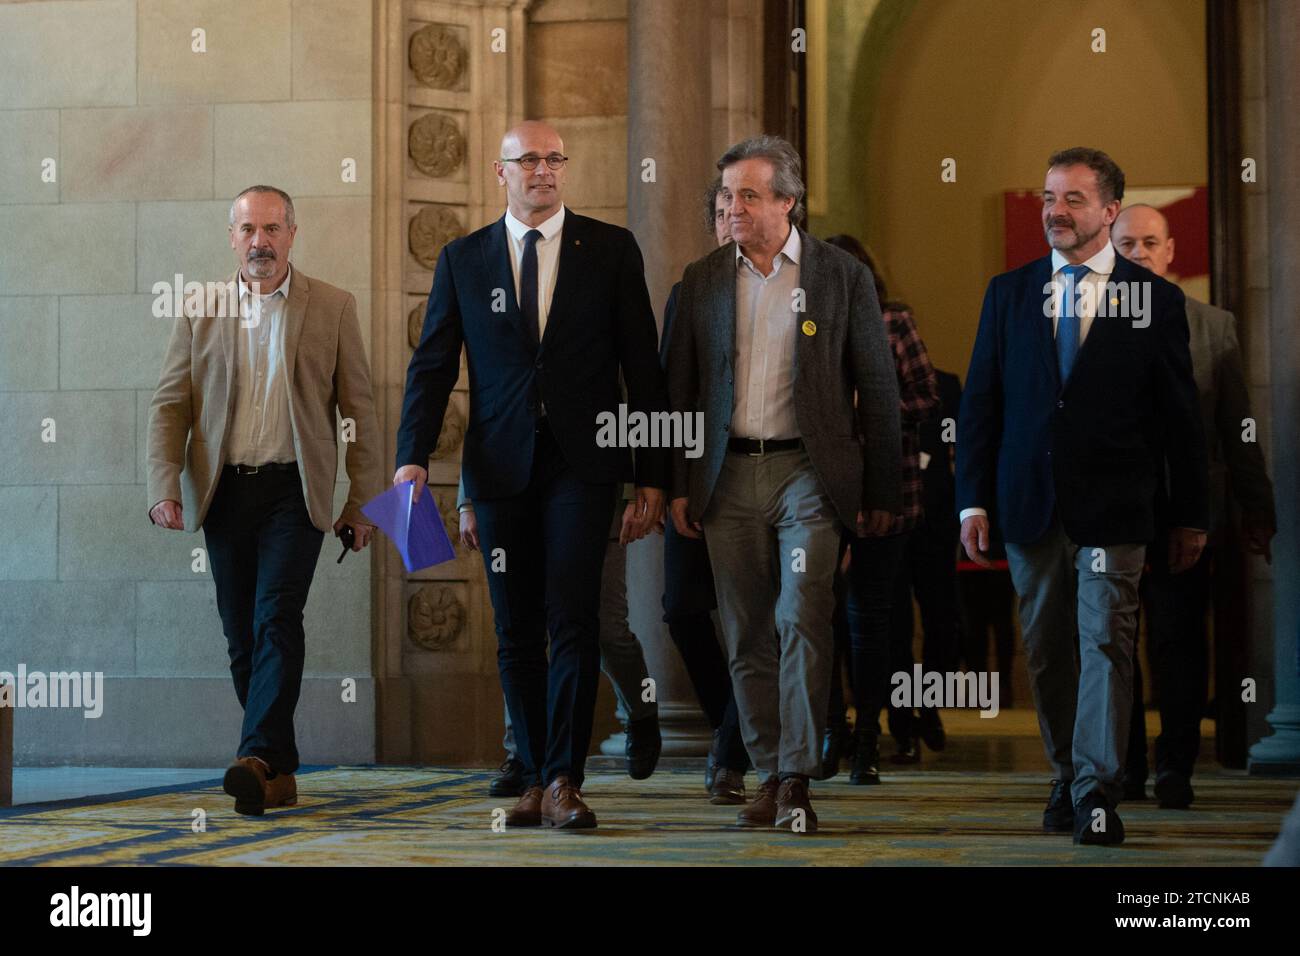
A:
872, 524
1185, 547
975, 539
685, 527
647, 514
469, 529
361, 532
406, 473
1259, 537
167, 514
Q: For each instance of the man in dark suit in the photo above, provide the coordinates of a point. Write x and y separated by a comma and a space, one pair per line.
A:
1080, 385
1176, 604
774, 332
550, 307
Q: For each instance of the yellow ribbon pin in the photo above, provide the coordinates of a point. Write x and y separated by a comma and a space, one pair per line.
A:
809, 327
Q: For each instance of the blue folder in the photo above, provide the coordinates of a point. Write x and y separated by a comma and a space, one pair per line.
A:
416, 529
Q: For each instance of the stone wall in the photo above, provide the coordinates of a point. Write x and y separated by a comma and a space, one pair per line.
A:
150, 141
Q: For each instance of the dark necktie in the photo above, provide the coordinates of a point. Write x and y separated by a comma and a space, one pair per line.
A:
528, 285
1067, 324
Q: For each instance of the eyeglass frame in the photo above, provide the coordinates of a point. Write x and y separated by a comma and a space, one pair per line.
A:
537, 161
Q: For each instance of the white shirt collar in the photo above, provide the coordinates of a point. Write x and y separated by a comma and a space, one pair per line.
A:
548, 229
792, 249
283, 288
1102, 264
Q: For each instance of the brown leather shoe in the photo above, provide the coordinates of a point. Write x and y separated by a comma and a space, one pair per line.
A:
528, 811
563, 809
762, 812
791, 798
281, 791
728, 787
245, 780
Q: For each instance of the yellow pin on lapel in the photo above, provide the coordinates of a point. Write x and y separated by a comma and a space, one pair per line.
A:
809, 327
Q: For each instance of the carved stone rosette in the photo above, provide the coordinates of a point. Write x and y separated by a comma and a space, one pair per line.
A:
437, 57
432, 228
436, 145
436, 618
446, 502
415, 324
452, 434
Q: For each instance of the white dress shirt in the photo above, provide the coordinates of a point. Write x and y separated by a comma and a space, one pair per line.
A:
548, 259
259, 431
1100, 267
766, 330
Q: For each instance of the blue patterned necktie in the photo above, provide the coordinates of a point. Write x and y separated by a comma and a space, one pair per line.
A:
1067, 323
528, 285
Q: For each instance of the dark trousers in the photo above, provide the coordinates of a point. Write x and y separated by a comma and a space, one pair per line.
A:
869, 595
544, 550
688, 601
985, 600
1175, 607
263, 550
928, 570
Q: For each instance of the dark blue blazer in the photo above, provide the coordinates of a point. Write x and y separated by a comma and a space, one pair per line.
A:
600, 323
1091, 448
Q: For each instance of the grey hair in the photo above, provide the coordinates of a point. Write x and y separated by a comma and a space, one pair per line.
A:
787, 168
288, 202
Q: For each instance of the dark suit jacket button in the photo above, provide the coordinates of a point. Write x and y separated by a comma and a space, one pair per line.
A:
726, 428
538, 366
1060, 404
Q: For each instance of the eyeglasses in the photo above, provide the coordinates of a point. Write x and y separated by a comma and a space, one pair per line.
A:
531, 162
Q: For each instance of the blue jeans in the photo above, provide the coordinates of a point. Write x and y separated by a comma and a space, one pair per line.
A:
263, 549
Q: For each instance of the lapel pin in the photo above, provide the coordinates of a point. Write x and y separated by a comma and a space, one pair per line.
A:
809, 327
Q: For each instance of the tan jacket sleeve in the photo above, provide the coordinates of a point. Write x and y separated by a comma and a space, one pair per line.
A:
170, 417
352, 384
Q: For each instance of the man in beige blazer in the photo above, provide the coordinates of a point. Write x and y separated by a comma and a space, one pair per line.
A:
243, 431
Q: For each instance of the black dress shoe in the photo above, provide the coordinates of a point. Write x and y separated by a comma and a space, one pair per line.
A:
907, 750
834, 743
711, 768
509, 781
1173, 790
1135, 788
1058, 816
932, 729
866, 759
644, 743
1095, 821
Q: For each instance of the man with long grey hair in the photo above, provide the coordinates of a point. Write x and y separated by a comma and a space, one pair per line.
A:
788, 459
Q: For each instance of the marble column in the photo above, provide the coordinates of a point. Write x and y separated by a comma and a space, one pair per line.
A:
669, 111
1279, 753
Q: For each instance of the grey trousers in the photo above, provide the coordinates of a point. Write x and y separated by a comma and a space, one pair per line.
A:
1079, 596
773, 538
621, 658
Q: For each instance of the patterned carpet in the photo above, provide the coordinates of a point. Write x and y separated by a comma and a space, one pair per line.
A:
365, 816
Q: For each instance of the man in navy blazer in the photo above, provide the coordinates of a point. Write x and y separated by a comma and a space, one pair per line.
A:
550, 307
1080, 386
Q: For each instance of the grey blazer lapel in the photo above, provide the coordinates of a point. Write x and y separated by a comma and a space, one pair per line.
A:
812, 282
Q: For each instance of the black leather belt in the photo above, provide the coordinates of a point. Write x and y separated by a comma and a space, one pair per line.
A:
242, 470
762, 446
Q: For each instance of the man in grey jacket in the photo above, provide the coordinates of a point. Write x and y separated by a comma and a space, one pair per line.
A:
774, 334
1176, 604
